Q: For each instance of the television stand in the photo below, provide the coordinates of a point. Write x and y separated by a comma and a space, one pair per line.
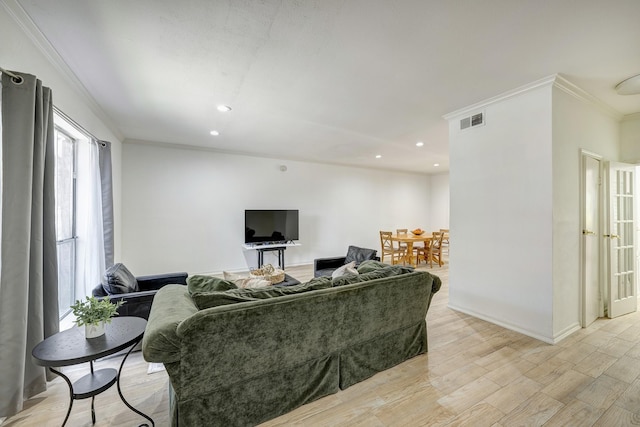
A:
262, 250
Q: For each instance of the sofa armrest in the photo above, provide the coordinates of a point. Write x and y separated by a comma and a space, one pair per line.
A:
172, 304
157, 281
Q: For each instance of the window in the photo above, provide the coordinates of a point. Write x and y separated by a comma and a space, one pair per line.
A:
79, 212
65, 187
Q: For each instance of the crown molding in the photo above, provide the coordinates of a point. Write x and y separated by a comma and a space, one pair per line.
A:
31, 30
631, 117
555, 80
581, 95
547, 81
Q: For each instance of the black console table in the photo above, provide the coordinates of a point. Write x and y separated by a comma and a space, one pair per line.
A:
280, 250
70, 347
261, 248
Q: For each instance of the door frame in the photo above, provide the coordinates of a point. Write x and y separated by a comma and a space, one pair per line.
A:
583, 284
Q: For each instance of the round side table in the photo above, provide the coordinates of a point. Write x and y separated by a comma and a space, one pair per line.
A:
70, 347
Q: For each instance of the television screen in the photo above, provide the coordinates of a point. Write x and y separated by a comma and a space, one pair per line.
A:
267, 226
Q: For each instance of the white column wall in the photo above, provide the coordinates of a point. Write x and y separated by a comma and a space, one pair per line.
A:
576, 125
183, 209
501, 214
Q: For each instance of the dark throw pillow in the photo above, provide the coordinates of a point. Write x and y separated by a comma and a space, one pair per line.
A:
119, 280
359, 255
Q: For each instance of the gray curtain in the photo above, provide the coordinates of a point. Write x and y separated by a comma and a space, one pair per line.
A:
28, 258
104, 152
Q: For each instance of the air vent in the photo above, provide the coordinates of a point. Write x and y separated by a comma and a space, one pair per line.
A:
472, 121
465, 123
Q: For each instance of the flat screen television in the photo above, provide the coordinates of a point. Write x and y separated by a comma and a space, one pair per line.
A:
270, 226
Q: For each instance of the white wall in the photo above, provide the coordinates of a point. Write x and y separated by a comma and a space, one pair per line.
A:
630, 139
183, 208
501, 213
18, 52
439, 201
576, 125
515, 205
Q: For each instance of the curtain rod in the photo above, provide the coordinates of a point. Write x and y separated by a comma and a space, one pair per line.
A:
16, 78
77, 126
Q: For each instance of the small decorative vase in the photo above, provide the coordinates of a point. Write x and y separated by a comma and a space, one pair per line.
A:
94, 331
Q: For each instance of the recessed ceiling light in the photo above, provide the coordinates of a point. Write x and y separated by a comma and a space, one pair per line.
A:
436, 164
419, 144
214, 133
378, 156
224, 108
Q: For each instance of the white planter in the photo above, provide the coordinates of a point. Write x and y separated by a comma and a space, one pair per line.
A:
93, 331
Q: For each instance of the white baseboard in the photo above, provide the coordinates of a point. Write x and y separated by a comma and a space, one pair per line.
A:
500, 322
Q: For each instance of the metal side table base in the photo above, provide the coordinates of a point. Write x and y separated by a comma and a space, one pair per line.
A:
125, 400
70, 347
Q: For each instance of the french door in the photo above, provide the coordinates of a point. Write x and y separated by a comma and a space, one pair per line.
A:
619, 239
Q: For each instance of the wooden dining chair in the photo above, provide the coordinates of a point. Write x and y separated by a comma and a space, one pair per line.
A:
445, 239
401, 231
433, 252
397, 253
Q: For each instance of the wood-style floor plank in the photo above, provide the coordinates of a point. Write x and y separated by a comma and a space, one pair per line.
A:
475, 374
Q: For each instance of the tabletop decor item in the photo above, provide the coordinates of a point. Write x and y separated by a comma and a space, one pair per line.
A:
417, 231
268, 272
93, 314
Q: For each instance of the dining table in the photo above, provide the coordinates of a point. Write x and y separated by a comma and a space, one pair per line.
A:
409, 239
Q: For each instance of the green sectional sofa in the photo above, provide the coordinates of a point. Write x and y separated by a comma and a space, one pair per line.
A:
264, 352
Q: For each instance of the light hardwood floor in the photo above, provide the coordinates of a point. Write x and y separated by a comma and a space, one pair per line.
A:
475, 374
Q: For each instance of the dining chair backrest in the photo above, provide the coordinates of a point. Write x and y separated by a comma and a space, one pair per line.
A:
385, 239
436, 240
402, 230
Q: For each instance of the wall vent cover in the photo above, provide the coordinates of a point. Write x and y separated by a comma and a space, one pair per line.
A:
472, 121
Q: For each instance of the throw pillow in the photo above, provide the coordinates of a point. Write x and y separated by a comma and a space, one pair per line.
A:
201, 283
359, 255
349, 268
119, 280
252, 282
245, 282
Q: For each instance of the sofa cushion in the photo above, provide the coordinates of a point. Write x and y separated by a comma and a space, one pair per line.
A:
213, 299
202, 283
371, 265
345, 279
375, 273
119, 280
204, 300
246, 281
359, 255
349, 268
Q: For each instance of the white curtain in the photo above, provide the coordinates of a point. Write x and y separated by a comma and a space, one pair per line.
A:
91, 248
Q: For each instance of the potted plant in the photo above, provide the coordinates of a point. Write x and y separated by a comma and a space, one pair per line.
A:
94, 313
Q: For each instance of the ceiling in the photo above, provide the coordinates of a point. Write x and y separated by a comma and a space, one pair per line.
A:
333, 81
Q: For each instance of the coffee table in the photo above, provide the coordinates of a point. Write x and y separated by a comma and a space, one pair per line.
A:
70, 347
288, 281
